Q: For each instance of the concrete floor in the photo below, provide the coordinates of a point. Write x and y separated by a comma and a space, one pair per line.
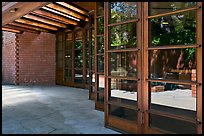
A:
50, 110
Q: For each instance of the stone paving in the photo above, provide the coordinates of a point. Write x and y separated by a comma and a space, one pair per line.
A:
50, 110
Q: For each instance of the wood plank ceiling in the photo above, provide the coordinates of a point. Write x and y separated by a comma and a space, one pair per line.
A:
50, 18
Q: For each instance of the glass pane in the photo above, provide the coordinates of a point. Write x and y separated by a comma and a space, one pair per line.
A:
68, 62
168, 124
173, 95
177, 64
100, 63
124, 113
100, 8
78, 76
100, 44
177, 29
68, 75
78, 44
123, 89
123, 64
100, 97
87, 63
122, 11
164, 7
78, 60
123, 36
101, 82
100, 26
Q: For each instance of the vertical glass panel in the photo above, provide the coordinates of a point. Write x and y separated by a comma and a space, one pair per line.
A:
173, 96
100, 8
68, 61
100, 97
78, 60
123, 64
100, 63
101, 83
176, 29
87, 63
78, 76
122, 112
123, 36
122, 11
68, 75
100, 44
168, 124
87, 76
177, 64
78, 44
164, 7
100, 25
93, 62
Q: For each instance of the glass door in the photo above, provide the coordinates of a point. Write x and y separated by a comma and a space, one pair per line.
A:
171, 67
99, 56
123, 66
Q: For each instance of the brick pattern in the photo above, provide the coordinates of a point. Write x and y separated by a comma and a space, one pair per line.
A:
17, 60
8, 58
36, 58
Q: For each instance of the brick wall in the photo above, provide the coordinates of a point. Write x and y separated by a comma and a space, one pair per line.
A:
36, 58
8, 58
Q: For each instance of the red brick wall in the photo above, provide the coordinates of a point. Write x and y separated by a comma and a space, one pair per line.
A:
36, 58
8, 58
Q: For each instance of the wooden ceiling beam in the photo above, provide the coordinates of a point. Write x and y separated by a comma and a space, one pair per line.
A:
29, 27
66, 11
23, 8
46, 14
22, 29
11, 30
34, 23
44, 20
73, 8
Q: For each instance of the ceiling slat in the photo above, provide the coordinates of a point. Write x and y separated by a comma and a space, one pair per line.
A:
73, 8
10, 30
29, 27
66, 11
47, 21
33, 23
51, 15
22, 29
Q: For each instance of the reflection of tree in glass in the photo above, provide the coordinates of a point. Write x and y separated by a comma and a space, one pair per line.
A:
78, 54
123, 35
178, 29
122, 11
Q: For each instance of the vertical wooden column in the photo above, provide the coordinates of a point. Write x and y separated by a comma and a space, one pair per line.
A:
106, 17
145, 95
199, 66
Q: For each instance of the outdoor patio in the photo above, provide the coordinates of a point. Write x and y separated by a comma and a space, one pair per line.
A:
50, 110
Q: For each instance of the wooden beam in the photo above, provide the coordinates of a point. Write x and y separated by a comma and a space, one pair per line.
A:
28, 27
73, 8
60, 13
23, 8
66, 11
22, 29
54, 16
33, 23
10, 30
44, 20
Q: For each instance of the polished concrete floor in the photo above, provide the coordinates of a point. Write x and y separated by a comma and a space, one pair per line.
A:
50, 110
